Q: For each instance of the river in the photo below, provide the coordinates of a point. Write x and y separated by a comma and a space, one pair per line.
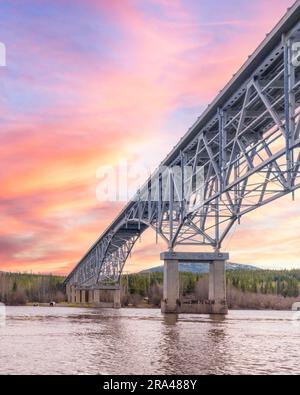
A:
59, 340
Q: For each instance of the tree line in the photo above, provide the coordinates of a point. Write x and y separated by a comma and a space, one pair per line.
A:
277, 289
20, 288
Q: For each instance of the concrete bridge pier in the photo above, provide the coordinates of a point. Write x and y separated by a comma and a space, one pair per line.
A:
90, 296
217, 281
117, 298
77, 296
68, 293
96, 294
107, 297
216, 302
73, 295
170, 302
104, 296
83, 296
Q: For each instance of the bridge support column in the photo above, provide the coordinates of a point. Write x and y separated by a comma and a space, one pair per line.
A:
90, 296
108, 296
217, 287
216, 302
72, 299
117, 298
77, 296
170, 302
83, 296
96, 296
68, 293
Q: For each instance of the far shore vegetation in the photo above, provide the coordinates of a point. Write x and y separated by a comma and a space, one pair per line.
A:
261, 289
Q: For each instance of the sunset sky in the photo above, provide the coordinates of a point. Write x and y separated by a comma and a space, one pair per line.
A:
90, 83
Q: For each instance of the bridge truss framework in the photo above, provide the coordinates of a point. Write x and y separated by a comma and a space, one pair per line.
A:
247, 147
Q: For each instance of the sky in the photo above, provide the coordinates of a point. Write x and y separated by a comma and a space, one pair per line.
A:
90, 83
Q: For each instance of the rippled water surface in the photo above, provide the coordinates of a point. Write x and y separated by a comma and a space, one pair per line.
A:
41, 340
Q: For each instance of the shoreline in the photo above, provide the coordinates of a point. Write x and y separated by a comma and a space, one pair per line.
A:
93, 306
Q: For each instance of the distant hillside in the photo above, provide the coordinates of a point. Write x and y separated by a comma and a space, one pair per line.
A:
202, 268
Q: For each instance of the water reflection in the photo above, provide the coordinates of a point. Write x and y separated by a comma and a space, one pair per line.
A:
131, 341
217, 317
170, 319
190, 349
169, 359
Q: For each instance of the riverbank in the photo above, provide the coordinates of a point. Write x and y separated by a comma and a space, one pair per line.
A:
248, 306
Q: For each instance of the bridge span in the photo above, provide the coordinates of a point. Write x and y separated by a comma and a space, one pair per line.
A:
241, 154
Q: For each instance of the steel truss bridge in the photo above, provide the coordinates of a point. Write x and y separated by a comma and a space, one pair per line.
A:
247, 147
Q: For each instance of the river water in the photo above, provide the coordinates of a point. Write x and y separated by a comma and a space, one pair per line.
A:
59, 340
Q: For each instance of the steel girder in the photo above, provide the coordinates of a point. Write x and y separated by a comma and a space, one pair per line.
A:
247, 149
